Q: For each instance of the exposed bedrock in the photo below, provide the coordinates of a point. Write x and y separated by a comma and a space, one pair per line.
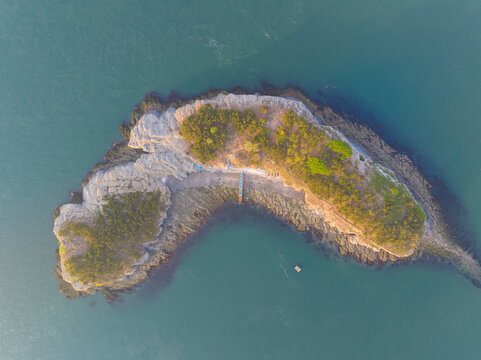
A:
192, 207
156, 158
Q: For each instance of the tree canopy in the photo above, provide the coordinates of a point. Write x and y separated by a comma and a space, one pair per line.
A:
115, 239
340, 147
375, 203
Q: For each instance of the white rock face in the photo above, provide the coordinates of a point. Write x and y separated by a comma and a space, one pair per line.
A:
120, 179
242, 102
166, 152
73, 213
157, 134
156, 130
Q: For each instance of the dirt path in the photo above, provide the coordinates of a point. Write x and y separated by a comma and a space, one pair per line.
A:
230, 178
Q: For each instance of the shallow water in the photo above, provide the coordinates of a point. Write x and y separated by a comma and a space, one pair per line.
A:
70, 72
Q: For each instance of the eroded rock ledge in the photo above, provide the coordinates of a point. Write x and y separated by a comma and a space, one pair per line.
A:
156, 159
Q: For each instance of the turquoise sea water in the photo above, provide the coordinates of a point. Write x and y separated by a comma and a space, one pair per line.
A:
71, 71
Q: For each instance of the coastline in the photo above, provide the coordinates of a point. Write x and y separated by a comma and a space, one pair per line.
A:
286, 202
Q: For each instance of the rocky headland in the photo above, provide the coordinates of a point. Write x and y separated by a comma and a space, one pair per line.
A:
156, 159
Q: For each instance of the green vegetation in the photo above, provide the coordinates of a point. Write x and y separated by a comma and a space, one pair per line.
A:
340, 147
394, 191
246, 120
381, 208
316, 166
115, 239
399, 212
65, 287
390, 174
206, 131
388, 218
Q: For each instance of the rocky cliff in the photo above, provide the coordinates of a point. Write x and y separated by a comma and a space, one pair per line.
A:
157, 159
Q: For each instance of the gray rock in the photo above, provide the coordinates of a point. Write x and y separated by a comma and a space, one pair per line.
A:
158, 160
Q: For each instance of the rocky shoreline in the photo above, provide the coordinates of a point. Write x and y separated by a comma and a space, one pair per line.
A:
195, 196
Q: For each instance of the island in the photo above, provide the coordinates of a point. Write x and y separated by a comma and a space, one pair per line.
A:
183, 159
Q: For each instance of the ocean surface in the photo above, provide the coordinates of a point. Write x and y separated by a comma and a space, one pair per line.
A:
71, 71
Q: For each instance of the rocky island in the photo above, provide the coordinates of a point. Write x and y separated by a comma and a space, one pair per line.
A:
183, 159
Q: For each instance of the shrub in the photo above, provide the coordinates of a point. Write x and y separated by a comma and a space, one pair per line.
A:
377, 204
340, 147
394, 191
316, 166
206, 132
388, 216
247, 120
116, 237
